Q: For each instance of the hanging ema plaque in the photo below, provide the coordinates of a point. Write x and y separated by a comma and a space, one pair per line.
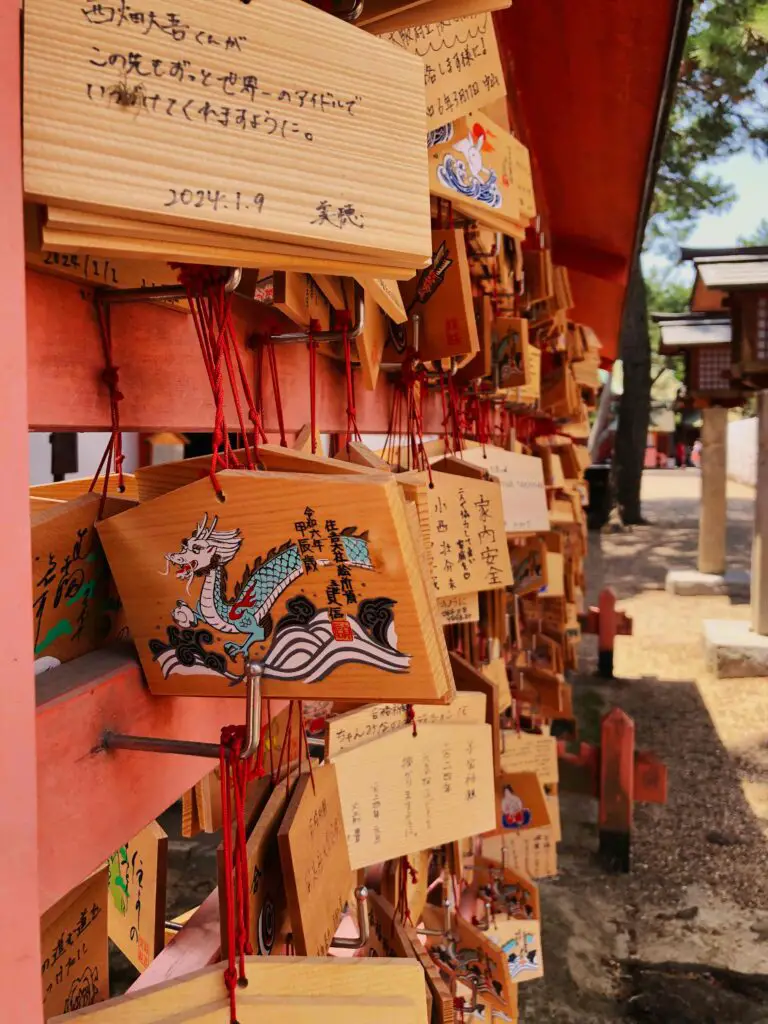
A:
316, 579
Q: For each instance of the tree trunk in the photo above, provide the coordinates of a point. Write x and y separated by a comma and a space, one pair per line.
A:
635, 403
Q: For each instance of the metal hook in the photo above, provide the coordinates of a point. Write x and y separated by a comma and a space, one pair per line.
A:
361, 896
113, 296
445, 931
352, 333
156, 745
474, 984
486, 923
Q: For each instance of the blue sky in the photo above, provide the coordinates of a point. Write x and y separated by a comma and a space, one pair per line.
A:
750, 179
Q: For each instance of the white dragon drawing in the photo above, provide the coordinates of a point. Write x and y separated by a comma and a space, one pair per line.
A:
206, 555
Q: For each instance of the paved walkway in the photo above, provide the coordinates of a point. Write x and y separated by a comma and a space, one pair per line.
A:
652, 946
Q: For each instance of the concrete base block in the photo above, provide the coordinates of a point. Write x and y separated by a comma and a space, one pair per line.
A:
733, 650
690, 583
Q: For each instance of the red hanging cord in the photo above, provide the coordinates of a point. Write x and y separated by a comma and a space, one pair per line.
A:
235, 773
272, 358
314, 327
353, 434
113, 453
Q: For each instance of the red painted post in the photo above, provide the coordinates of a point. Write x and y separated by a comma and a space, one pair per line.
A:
606, 632
617, 788
20, 915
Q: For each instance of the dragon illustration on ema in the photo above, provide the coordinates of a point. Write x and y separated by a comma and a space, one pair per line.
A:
305, 645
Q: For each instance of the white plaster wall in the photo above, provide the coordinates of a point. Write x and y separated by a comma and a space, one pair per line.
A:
90, 448
742, 451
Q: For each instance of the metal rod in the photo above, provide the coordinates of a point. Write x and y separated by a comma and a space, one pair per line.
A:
323, 337
191, 748
118, 296
361, 897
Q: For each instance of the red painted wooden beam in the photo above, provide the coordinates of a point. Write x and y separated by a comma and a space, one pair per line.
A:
91, 800
162, 377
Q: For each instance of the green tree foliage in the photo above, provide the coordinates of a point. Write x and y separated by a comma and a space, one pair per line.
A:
720, 109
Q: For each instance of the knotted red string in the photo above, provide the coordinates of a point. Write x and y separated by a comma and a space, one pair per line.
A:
410, 717
406, 871
113, 457
211, 306
353, 434
314, 328
235, 773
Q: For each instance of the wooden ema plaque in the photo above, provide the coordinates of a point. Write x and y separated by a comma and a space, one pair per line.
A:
468, 550
509, 345
301, 990
532, 852
483, 171
315, 861
387, 936
75, 950
469, 960
152, 481
194, 133
74, 607
529, 752
462, 67
458, 609
268, 919
404, 792
329, 606
137, 879
520, 943
416, 888
514, 894
471, 680
441, 295
355, 728
523, 491
443, 1010
520, 802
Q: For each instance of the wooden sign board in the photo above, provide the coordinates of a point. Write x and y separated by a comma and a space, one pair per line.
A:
441, 295
355, 728
529, 566
372, 340
520, 943
520, 802
315, 861
471, 680
73, 605
468, 550
532, 852
75, 949
415, 12
510, 350
387, 935
555, 585
515, 895
96, 271
301, 990
330, 606
462, 66
268, 919
137, 880
469, 958
459, 608
496, 671
405, 792
194, 138
386, 294
523, 492
529, 752
484, 171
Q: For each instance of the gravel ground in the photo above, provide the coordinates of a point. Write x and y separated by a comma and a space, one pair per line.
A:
684, 937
